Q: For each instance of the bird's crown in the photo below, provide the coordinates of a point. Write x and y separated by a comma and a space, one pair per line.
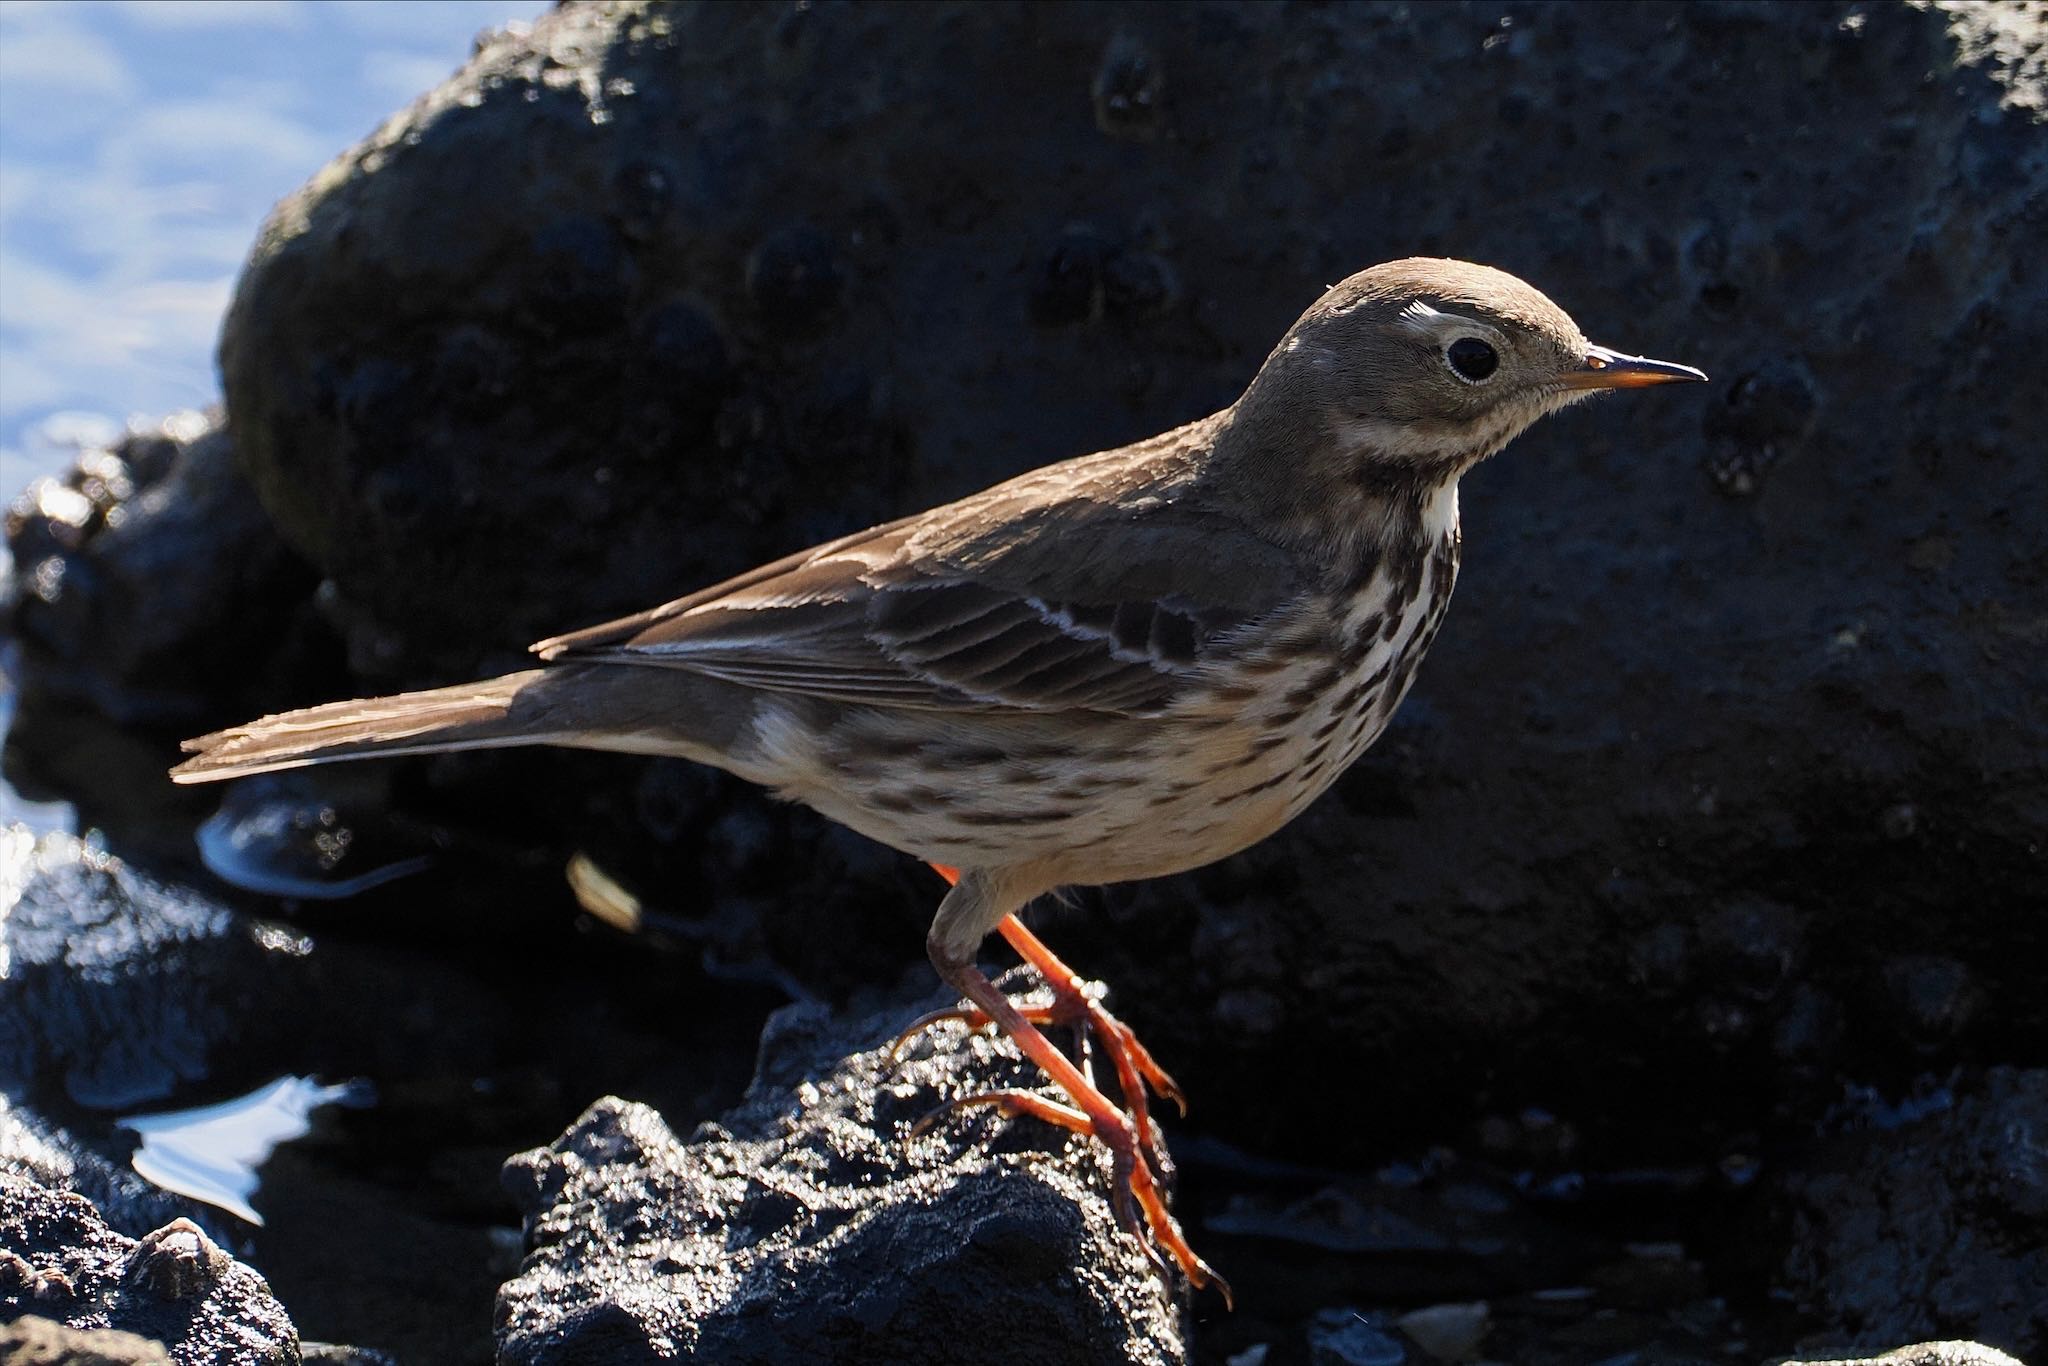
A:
1430, 365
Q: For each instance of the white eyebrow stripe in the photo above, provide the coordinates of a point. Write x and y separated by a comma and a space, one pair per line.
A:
1442, 328
1422, 318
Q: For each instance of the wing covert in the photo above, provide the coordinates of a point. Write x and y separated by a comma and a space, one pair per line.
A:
1088, 604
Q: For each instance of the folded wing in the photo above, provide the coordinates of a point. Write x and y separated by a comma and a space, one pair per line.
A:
975, 610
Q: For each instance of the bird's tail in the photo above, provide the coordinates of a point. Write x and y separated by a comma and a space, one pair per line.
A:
468, 716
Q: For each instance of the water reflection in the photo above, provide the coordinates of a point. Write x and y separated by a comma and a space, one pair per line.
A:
212, 1153
269, 839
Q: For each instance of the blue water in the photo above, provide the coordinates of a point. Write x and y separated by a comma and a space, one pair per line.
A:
141, 144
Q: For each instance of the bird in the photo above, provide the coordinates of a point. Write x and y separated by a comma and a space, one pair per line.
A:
1115, 667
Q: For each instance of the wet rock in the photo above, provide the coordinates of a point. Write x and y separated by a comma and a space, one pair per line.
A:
339, 1354
33, 1340
986, 1230
1924, 1354
59, 1260
120, 993
1346, 1337
118, 988
1934, 1224
1448, 1332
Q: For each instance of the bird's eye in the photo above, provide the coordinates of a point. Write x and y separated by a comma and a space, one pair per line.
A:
1472, 358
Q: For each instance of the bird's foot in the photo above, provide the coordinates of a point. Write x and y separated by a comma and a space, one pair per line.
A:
1077, 1005
1133, 1185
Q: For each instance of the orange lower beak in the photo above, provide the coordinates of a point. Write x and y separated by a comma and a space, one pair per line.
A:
1605, 369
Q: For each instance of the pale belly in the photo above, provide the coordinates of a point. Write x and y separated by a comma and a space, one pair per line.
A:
1088, 799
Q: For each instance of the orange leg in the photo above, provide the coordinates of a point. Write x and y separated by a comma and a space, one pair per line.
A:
1073, 1004
1133, 1180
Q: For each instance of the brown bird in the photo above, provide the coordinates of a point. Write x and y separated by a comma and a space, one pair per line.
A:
1121, 666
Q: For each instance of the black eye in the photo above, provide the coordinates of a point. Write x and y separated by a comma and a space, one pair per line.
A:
1472, 358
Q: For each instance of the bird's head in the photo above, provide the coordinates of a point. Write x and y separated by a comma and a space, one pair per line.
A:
1419, 369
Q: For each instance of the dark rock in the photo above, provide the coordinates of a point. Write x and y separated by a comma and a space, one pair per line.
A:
1937, 1225
121, 989
1130, 89
1346, 1337
986, 1231
1760, 416
147, 588
148, 581
792, 278
175, 1285
117, 990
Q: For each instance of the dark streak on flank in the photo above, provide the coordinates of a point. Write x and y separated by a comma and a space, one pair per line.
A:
969, 756
1043, 816
1254, 789
1361, 642
1318, 683
863, 746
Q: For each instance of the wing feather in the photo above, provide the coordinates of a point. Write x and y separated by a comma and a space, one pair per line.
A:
1100, 595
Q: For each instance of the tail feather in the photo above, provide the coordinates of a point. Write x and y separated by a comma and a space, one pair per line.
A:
468, 716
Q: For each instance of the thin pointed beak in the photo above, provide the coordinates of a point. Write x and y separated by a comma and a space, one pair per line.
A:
1606, 369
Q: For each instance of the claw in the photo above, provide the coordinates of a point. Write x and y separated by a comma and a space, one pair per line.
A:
966, 1015
1128, 1191
1009, 1102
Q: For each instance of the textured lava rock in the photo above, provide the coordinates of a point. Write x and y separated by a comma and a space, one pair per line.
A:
1926, 1354
148, 581
60, 1261
120, 992
1743, 687
118, 989
805, 1225
1935, 1226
